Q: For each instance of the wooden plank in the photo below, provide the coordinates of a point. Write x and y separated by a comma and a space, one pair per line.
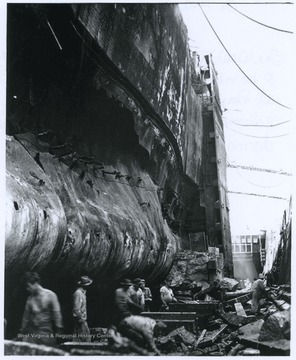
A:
201, 309
178, 334
170, 315
211, 338
201, 336
229, 295
242, 299
239, 309
189, 325
83, 345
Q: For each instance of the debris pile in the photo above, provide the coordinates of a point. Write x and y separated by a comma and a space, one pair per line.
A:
226, 327
217, 327
198, 328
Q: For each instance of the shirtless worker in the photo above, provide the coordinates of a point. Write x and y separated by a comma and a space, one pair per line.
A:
42, 318
166, 296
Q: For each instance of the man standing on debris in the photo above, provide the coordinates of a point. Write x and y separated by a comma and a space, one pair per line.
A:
137, 295
42, 317
167, 296
147, 295
258, 291
81, 330
142, 330
123, 302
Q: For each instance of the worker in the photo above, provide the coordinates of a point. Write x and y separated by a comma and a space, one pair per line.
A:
120, 343
123, 303
142, 331
147, 295
81, 330
166, 296
42, 318
258, 291
214, 290
137, 295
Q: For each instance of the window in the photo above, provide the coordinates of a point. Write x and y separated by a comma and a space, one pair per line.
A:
242, 248
255, 239
243, 244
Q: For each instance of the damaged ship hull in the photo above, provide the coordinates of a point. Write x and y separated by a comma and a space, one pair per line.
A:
89, 162
104, 143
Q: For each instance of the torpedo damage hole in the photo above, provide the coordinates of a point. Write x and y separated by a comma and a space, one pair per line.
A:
15, 204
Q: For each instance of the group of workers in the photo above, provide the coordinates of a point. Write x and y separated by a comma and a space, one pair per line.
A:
131, 299
134, 297
42, 319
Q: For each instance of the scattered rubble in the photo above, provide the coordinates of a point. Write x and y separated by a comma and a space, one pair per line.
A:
276, 326
229, 284
175, 339
249, 336
235, 320
198, 328
227, 328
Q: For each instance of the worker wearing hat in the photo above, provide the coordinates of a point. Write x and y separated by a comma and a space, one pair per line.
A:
147, 295
81, 330
124, 304
137, 295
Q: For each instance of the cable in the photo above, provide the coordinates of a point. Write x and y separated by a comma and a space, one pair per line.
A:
261, 186
258, 22
252, 168
258, 137
238, 65
252, 194
54, 35
258, 125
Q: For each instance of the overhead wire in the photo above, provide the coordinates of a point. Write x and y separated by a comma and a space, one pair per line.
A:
257, 125
261, 186
257, 137
258, 22
253, 168
231, 57
253, 194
